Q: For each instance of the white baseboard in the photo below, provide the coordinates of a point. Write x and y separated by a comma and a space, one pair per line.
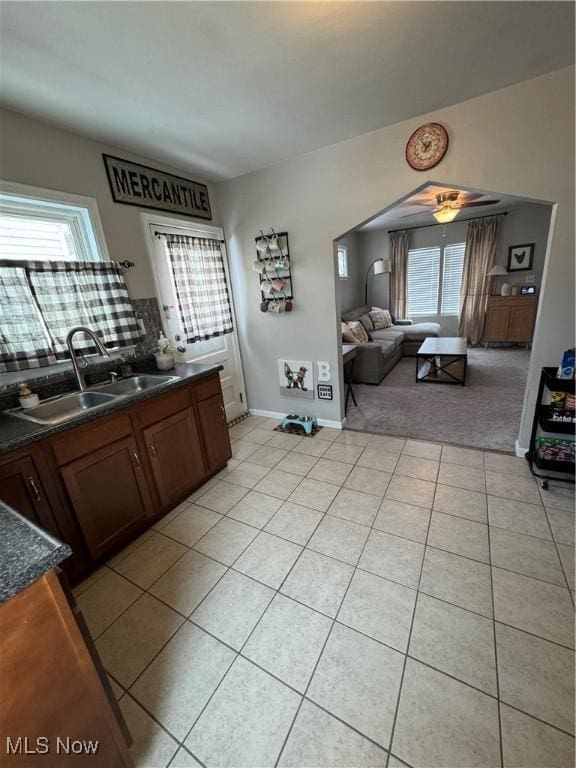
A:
519, 450
276, 415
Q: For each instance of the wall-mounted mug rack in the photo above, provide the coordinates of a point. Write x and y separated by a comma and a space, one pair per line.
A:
274, 270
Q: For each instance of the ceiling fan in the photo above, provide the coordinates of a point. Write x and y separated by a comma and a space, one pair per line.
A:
448, 206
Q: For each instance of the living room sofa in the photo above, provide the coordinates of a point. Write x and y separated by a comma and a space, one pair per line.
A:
378, 356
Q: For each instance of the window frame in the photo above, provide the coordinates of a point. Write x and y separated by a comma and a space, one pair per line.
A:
42, 194
344, 250
440, 287
94, 242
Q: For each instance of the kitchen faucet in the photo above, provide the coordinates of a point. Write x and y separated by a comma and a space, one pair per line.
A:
77, 363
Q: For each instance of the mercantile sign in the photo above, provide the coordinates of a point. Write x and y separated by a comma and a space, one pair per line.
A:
135, 184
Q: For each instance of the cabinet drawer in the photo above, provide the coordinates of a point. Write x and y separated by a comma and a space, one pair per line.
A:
207, 388
158, 408
82, 440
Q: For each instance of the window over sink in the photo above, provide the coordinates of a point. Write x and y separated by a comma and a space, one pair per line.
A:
55, 274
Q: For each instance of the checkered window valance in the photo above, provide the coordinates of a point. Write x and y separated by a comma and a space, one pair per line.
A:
40, 301
197, 268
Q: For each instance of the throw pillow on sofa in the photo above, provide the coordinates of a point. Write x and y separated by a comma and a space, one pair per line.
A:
381, 318
355, 333
347, 335
366, 321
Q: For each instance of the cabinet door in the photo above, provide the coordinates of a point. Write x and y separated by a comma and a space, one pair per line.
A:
21, 489
215, 432
496, 328
520, 327
175, 454
109, 493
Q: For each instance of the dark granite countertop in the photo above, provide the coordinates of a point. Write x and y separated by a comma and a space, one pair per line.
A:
16, 433
26, 552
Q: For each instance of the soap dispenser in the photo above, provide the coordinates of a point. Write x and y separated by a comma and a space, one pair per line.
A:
26, 397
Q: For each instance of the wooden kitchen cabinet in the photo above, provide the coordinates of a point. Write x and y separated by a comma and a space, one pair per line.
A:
22, 489
109, 493
53, 685
98, 485
175, 454
510, 318
212, 418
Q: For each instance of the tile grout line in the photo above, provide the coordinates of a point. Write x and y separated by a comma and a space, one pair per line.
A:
495, 639
328, 635
231, 567
409, 639
559, 558
349, 725
239, 653
389, 533
356, 567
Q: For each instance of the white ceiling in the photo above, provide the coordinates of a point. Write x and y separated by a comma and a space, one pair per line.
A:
221, 89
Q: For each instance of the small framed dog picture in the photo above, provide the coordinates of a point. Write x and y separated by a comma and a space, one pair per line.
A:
520, 257
296, 378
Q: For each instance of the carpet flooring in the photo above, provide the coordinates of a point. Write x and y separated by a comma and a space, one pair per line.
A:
483, 414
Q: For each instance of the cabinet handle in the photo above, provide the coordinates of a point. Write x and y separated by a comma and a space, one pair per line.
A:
153, 451
136, 459
34, 488
223, 412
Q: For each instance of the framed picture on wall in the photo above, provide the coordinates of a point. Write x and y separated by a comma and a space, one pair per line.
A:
520, 257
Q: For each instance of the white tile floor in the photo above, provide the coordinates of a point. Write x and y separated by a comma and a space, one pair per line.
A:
347, 600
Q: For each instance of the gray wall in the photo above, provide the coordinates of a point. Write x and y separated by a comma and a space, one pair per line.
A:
375, 245
319, 196
352, 287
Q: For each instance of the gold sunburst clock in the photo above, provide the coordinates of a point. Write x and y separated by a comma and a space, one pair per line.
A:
427, 146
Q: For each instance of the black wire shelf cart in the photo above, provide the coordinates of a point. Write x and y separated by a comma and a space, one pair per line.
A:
547, 430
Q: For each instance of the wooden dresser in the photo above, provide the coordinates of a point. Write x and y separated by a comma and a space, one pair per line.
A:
510, 318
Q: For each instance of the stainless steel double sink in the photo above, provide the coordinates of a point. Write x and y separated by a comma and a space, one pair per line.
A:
56, 410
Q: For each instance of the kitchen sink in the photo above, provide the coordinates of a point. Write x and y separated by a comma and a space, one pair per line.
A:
139, 383
64, 407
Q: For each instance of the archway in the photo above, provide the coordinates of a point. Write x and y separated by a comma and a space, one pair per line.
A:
486, 412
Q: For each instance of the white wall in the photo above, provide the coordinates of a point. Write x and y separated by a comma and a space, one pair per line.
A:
518, 140
36, 153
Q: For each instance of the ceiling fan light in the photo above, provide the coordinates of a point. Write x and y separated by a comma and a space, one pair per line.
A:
445, 215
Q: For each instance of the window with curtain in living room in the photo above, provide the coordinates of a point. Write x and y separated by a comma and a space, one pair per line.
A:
433, 280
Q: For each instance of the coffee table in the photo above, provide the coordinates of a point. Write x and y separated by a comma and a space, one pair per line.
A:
442, 361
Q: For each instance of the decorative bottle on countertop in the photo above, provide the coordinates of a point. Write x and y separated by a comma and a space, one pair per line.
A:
164, 356
26, 397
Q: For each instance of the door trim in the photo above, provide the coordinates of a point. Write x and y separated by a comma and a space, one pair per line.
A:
148, 219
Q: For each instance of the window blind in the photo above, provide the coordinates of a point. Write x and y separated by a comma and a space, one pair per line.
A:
423, 274
453, 264
46, 230
28, 239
